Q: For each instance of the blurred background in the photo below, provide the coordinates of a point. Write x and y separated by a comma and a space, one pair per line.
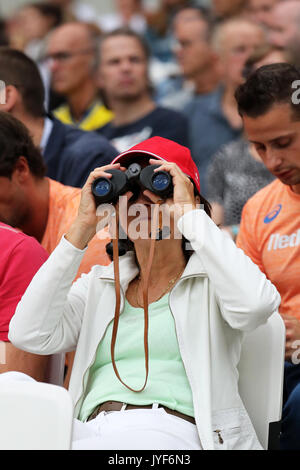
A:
101, 6
171, 71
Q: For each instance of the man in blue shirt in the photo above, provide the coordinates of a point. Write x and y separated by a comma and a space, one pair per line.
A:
123, 77
70, 154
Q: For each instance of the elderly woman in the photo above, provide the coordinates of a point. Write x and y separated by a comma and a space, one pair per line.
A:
172, 383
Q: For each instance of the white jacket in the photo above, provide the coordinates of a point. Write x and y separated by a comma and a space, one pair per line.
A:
220, 295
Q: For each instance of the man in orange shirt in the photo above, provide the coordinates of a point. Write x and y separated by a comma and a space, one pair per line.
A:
270, 228
40, 207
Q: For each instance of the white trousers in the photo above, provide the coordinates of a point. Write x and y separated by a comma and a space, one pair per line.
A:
140, 429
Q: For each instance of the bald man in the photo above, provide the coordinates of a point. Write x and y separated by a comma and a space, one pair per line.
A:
72, 53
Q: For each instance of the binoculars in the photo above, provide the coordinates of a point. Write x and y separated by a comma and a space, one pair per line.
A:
134, 179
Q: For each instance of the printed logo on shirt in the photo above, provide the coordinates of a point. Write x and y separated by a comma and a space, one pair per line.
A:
279, 242
125, 142
273, 214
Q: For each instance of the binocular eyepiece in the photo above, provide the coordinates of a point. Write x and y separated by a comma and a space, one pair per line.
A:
134, 179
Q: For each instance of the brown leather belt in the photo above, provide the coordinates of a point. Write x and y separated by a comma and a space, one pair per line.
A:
117, 406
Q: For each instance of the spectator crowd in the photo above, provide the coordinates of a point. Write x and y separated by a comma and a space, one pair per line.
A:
81, 88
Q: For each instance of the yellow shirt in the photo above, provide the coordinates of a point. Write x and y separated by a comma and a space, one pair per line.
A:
95, 117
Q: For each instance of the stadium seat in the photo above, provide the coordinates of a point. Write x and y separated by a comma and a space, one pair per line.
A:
39, 416
261, 372
35, 416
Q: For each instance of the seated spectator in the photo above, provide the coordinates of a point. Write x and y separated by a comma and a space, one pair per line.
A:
39, 206
269, 231
198, 62
213, 117
123, 76
199, 308
20, 258
233, 176
260, 11
31, 25
29, 31
237, 172
129, 13
70, 154
72, 57
159, 28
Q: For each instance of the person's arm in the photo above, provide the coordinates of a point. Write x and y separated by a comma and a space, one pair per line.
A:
13, 359
24, 261
48, 319
246, 297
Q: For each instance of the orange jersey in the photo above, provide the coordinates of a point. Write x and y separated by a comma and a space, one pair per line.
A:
270, 236
63, 207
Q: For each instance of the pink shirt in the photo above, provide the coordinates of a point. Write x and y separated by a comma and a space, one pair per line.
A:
20, 258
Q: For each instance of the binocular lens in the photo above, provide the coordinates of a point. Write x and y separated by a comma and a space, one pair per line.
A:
102, 187
160, 182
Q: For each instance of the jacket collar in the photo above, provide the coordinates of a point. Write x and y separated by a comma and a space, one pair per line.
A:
129, 270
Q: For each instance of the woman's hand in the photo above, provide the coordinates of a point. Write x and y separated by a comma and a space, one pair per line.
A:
184, 199
84, 227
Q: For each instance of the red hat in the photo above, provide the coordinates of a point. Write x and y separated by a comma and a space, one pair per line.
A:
164, 149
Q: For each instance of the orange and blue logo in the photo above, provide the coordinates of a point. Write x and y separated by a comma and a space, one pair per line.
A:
273, 214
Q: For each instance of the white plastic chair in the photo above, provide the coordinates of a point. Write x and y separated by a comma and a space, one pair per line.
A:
35, 416
261, 370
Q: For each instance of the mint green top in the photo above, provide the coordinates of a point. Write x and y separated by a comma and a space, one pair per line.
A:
167, 381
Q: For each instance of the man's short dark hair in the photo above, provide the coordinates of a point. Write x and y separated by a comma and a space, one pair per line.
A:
268, 86
20, 71
15, 142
